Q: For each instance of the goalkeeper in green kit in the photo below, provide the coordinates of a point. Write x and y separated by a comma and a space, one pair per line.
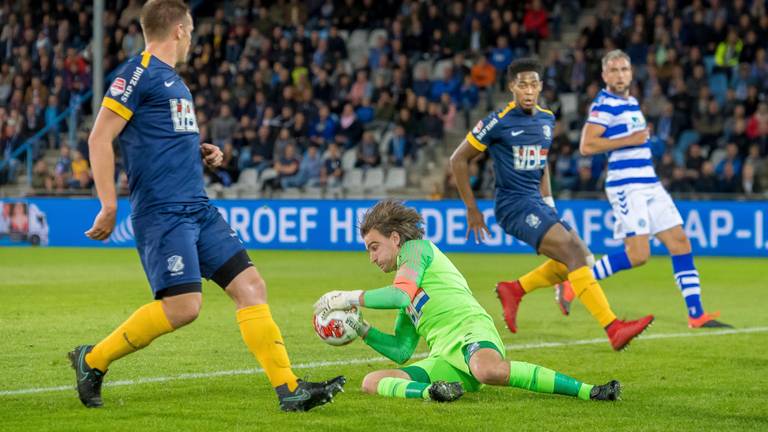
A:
465, 350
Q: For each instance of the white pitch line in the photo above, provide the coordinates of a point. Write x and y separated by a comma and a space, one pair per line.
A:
312, 365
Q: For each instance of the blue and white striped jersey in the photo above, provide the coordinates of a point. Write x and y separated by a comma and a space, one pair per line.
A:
622, 117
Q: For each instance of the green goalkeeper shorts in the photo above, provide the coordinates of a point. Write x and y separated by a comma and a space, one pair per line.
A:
450, 361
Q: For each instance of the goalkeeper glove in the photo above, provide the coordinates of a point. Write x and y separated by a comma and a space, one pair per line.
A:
337, 300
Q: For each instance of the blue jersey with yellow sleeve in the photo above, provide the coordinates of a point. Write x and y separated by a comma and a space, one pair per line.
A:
518, 143
160, 144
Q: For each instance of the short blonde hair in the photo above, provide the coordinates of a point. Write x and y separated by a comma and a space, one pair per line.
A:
613, 55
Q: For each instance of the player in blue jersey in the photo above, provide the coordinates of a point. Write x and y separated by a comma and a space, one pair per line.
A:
518, 138
641, 205
180, 235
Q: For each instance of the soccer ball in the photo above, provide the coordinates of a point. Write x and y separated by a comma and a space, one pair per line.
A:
333, 328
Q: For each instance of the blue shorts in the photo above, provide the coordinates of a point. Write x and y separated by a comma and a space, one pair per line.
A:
180, 244
526, 218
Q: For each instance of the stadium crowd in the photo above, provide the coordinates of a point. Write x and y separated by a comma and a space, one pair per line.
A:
292, 88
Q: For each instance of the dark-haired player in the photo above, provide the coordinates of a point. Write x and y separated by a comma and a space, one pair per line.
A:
518, 138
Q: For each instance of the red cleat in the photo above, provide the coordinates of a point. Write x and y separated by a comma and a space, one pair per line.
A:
564, 297
621, 333
510, 294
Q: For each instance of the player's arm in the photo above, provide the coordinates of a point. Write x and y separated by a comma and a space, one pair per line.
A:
592, 141
415, 258
460, 168
398, 347
107, 127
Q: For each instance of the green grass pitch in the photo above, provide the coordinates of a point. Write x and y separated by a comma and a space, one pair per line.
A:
202, 377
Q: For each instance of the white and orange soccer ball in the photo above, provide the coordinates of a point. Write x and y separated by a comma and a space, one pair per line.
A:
333, 329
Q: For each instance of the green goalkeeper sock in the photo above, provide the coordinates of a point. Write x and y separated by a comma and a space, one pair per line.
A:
540, 379
403, 388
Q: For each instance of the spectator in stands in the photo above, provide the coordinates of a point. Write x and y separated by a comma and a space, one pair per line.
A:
565, 169
484, 77
709, 125
311, 167
63, 169
680, 183
728, 52
42, 178
81, 172
707, 181
368, 155
350, 129
536, 22
500, 57
262, 150
585, 181
468, 98
223, 126
50, 114
332, 171
731, 159
399, 147
323, 130
757, 126
728, 181
750, 183
287, 167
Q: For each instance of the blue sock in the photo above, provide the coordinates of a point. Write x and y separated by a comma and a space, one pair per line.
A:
610, 264
687, 279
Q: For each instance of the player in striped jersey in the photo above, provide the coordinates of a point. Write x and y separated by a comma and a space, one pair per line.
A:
641, 205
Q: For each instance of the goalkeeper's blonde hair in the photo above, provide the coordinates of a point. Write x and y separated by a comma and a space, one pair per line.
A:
613, 55
390, 216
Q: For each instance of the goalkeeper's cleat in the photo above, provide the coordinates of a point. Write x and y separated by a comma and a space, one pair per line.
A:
564, 297
621, 333
88, 379
510, 294
606, 392
442, 391
308, 395
707, 320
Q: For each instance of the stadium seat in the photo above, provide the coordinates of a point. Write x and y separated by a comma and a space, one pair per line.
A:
396, 178
348, 159
248, 177
353, 179
439, 69
375, 34
374, 179
718, 84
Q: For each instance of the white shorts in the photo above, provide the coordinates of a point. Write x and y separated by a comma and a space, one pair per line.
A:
642, 211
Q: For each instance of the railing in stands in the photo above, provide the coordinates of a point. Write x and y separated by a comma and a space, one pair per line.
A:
28, 145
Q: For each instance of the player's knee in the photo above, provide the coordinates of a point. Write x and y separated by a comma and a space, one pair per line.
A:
576, 258
248, 290
371, 383
489, 375
183, 312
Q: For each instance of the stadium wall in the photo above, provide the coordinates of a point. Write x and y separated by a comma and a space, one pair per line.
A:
724, 228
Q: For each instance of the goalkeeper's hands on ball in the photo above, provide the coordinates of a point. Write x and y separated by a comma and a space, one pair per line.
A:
337, 300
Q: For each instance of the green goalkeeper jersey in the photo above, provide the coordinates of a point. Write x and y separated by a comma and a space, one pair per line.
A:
443, 304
